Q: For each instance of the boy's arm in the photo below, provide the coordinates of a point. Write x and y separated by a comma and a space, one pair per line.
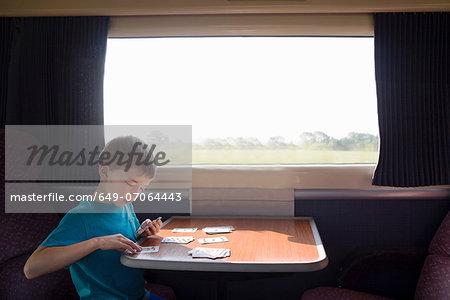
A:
49, 259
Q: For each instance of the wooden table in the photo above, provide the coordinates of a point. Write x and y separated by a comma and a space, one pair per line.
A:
258, 244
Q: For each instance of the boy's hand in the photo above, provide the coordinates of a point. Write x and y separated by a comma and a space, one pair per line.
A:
117, 242
153, 228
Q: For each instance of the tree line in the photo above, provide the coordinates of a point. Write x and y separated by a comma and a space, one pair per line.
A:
317, 140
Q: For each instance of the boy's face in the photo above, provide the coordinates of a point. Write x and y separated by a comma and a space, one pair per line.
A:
123, 187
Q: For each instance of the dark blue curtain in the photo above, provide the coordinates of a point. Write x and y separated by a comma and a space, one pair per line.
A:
51, 73
54, 68
412, 69
6, 36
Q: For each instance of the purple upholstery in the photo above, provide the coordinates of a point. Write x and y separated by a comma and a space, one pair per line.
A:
332, 293
434, 281
14, 284
440, 245
22, 233
161, 290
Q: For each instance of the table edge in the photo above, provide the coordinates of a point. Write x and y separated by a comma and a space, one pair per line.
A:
225, 266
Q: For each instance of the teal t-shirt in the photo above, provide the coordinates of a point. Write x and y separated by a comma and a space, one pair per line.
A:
100, 275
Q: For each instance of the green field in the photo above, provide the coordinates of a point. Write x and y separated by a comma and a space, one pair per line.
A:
286, 156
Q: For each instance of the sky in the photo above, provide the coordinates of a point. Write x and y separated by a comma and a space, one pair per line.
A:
243, 86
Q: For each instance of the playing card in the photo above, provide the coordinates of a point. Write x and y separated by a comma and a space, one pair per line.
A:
178, 239
209, 252
184, 230
219, 239
143, 227
150, 249
145, 224
201, 252
218, 229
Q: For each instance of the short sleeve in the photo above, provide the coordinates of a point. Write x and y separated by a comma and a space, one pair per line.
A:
136, 221
133, 215
71, 230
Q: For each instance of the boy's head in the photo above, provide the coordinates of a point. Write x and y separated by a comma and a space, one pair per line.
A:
126, 167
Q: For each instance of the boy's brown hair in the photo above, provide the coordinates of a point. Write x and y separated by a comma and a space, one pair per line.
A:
117, 151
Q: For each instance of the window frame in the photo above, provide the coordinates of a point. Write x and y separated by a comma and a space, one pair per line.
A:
331, 25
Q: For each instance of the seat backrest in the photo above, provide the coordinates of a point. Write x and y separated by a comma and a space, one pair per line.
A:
20, 233
440, 245
434, 283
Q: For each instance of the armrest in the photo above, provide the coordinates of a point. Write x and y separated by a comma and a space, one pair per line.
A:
375, 269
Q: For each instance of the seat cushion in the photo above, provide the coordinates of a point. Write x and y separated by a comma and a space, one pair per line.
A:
332, 293
434, 283
161, 290
440, 244
14, 284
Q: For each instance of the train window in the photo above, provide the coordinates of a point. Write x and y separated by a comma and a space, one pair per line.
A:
251, 100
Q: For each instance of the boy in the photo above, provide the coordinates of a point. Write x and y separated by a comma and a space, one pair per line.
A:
91, 237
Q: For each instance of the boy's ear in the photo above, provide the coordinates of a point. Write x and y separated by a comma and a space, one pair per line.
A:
103, 171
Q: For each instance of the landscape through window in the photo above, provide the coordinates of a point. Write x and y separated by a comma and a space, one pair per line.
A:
250, 100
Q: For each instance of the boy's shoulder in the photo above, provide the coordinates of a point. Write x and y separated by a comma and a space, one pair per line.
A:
79, 213
91, 206
82, 207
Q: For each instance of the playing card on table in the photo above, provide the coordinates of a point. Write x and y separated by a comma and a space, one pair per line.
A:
150, 249
184, 230
219, 239
201, 252
218, 229
178, 239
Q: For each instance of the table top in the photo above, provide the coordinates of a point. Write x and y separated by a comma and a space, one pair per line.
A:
258, 244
